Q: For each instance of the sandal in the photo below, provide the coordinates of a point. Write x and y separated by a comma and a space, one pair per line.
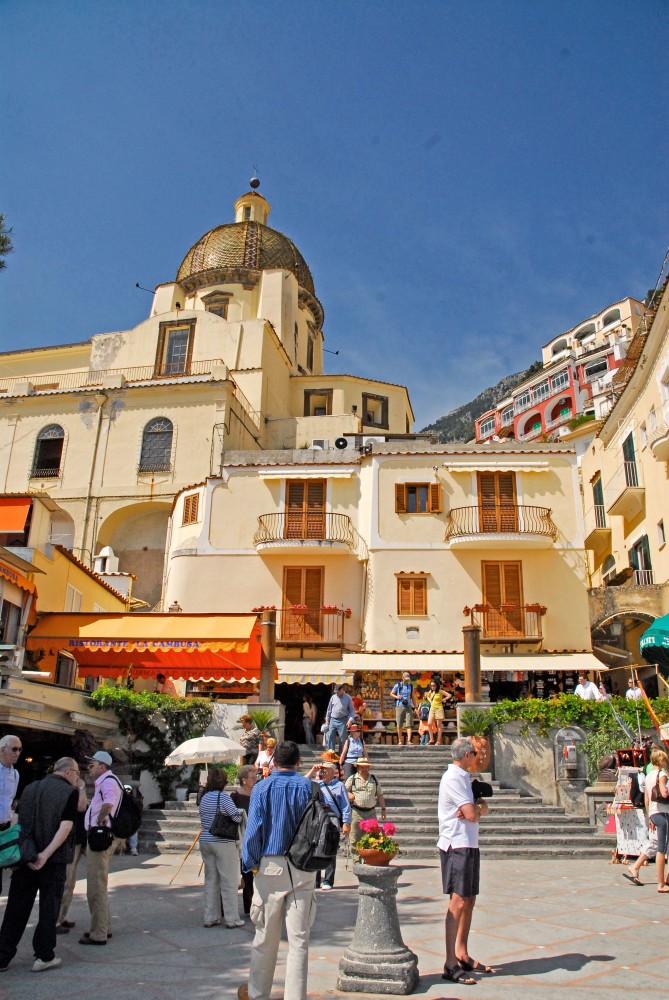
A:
471, 965
632, 878
458, 975
664, 889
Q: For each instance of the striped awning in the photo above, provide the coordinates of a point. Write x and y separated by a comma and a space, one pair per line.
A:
313, 672
455, 662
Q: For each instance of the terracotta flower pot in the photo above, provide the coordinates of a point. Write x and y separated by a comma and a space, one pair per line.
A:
482, 745
374, 857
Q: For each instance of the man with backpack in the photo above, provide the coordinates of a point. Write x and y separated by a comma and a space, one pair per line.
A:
103, 805
281, 890
402, 692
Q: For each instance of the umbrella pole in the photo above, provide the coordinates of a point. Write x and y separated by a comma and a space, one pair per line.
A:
185, 857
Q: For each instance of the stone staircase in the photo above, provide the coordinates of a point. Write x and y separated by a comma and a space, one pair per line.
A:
518, 825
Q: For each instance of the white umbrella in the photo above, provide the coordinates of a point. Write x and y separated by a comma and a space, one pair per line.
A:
205, 750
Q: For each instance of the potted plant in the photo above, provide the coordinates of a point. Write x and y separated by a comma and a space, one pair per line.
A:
477, 724
376, 846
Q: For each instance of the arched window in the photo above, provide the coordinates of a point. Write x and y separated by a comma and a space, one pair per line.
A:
48, 452
560, 345
611, 317
156, 453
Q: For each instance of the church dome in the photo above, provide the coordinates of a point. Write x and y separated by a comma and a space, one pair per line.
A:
249, 245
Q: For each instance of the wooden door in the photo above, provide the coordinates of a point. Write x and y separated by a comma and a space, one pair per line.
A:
498, 510
302, 585
305, 509
503, 591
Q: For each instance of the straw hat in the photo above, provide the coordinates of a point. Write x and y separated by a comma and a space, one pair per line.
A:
363, 761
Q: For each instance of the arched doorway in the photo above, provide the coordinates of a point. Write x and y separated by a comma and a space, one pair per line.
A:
137, 534
615, 641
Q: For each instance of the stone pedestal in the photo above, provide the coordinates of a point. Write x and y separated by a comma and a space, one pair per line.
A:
377, 960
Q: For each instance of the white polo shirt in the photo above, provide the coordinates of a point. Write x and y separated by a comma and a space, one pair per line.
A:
455, 790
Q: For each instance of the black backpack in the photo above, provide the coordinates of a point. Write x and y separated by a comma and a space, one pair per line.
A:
128, 817
316, 840
424, 713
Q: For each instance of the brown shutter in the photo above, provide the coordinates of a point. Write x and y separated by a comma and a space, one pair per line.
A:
294, 509
513, 595
190, 508
313, 598
400, 498
491, 573
404, 591
435, 498
315, 509
487, 502
292, 586
508, 511
420, 596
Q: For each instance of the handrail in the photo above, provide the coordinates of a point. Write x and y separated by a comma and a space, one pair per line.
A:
509, 621
303, 527
93, 379
311, 626
503, 518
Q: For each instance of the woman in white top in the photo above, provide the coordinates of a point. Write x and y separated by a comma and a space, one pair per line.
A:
658, 812
265, 759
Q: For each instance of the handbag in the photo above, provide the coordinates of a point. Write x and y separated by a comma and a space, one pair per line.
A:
99, 838
222, 826
16, 847
655, 794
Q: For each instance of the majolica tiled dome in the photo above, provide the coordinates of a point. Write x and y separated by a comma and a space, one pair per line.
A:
247, 245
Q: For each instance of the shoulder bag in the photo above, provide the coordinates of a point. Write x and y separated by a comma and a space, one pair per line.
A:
223, 826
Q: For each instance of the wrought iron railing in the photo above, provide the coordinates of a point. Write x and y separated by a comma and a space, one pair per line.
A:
45, 473
627, 476
512, 518
311, 626
303, 527
508, 622
155, 465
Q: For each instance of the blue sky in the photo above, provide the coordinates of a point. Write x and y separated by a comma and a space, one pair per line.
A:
464, 179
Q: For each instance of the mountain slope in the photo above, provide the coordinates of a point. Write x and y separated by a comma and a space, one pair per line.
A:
458, 424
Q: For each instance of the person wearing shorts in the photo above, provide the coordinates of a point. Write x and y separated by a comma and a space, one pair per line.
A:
459, 817
402, 692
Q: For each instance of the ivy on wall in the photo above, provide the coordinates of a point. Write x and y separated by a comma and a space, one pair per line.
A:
158, 720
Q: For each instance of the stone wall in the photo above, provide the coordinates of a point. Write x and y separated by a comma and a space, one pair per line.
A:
606, 601
527, 762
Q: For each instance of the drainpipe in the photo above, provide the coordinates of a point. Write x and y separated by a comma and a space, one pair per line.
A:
102, 399
268, 662
472, 645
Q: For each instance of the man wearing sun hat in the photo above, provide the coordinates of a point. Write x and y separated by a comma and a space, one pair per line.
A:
103, 804
335, 797
364, 794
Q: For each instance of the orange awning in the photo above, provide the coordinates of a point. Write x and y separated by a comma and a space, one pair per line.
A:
19, 579
14, 513
204, 647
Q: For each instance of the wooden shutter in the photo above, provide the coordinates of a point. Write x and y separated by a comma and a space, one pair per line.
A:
292, 586
506, 492
498, 510
400, 498
302, 585
315, 509
411, 595
191, 508
305, 509
435, 498
491, 573
503, 586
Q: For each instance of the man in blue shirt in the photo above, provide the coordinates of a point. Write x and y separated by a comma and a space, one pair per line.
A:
336, 799
340, 711
402, 692
275, 810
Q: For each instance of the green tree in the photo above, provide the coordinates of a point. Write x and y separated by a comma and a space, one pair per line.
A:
6, 245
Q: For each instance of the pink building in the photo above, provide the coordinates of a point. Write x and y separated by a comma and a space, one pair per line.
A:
575, 379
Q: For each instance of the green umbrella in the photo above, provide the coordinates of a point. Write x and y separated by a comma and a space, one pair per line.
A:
654, 643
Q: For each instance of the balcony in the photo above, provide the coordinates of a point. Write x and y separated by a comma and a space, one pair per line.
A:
311, 627
509, 623
658, 436
504, 527
312, 531
597, 532
642, 578
626, 488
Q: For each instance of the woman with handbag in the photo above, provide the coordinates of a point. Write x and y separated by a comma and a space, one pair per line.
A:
220, 819
657, 799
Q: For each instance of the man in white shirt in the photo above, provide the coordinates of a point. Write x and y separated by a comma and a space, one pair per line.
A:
10, 751
633, 692
586, 690
459, 817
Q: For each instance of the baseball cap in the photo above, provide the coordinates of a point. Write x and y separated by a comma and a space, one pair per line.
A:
102, 757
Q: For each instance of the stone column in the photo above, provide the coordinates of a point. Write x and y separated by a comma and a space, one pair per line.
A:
472, 643
377, 960
268, 662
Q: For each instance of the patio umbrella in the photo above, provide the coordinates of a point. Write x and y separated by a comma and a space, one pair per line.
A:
205, 750
654, 643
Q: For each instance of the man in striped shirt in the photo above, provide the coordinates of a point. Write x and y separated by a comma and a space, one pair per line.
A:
275, 810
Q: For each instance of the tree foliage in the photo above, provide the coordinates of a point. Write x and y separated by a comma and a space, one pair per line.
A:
6, 245
158, 720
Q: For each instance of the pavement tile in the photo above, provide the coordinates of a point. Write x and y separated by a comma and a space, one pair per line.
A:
567, 927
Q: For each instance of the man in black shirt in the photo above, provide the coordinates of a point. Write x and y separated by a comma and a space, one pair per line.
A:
47, 811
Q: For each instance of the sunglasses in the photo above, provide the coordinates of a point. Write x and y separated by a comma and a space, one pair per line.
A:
15, 749
473, 753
